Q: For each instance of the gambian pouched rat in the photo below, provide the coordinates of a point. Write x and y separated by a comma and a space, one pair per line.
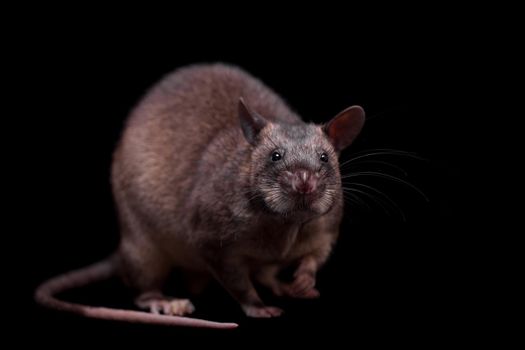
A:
214, 175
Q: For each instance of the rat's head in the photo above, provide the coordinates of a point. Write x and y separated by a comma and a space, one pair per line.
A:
294, 166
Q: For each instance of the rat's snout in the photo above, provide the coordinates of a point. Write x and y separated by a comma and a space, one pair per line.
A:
302, 181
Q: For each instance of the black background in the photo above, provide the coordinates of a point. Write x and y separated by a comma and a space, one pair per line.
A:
387, 279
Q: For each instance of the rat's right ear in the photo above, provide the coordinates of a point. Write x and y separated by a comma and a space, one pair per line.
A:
344, 128
251, 122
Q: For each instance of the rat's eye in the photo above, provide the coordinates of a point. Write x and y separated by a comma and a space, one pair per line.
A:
324, 157
276, 156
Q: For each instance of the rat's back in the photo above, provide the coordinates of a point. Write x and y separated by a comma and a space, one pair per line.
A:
197, 101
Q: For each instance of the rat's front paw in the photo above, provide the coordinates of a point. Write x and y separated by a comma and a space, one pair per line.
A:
262, 311
302, 287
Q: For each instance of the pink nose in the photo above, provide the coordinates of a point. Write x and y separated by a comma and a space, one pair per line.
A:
304, 181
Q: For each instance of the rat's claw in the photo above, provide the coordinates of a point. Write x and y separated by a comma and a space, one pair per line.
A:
181, 307
302, 283
167, 306
310, 294
303, 286
154, 308
262, 311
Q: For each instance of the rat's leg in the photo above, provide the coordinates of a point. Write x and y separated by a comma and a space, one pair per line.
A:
301, 287
267, 277
320, 234
144, 269
303, 284
235, 278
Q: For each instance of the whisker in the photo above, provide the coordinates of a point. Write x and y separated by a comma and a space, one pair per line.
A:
350, 197
397, 167
373, 198
387, 198
392, 153
358, 198
388, 201
387, 176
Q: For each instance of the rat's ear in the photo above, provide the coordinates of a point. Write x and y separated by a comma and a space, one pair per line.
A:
344, 128
251, 122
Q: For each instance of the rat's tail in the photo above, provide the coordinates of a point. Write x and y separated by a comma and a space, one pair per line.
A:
100, 271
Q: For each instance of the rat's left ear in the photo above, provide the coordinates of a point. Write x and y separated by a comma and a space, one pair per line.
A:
251, 122
344, 128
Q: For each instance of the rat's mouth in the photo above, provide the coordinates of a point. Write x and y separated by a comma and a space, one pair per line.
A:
288, 201
305, 201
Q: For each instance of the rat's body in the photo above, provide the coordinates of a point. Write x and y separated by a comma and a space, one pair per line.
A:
199, 191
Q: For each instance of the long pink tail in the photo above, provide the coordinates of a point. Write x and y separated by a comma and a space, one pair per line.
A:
45, 295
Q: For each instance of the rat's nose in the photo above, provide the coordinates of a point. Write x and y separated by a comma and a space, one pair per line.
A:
304, 181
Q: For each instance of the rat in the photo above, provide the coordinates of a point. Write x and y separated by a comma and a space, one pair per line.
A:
215, 175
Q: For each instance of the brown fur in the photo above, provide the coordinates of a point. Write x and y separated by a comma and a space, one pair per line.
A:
196, 192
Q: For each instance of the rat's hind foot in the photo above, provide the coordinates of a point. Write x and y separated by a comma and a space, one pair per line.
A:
173, 307
158, 304
262, 311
